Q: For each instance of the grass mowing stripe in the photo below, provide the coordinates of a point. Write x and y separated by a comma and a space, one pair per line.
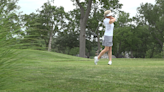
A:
40, 71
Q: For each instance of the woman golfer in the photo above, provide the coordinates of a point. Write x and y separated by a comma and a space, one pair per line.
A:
108, 37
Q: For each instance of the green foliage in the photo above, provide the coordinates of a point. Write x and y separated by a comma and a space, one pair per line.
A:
154, 53
145, 38
74, 51
33, 36
41, 28
124, 39
157, 55
153, 15
52, 28
148, 53
9, 27
66, 40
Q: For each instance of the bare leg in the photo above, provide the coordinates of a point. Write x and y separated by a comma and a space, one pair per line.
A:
103, 51
110, 53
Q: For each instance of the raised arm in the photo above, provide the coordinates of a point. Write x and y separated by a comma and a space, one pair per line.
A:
112, 20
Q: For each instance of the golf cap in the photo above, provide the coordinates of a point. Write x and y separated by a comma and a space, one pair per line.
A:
110, 14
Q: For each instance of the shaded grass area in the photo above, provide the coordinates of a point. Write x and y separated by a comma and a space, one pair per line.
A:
39, 71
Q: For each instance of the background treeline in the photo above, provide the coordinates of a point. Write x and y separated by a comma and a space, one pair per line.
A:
51, 28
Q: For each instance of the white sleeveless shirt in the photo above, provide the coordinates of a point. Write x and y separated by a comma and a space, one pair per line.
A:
108, 27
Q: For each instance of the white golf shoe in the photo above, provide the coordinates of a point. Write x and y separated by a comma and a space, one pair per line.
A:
110, 62
96, 60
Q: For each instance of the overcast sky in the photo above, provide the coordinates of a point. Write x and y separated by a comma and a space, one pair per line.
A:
29, 6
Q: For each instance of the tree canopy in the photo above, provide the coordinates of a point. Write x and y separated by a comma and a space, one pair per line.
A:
80, 31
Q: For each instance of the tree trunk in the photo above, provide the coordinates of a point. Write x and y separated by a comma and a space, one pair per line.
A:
50, 41
98, 38
82, 39
132, 56
117, 54
152, 52
88, 56
83, 21
163, 50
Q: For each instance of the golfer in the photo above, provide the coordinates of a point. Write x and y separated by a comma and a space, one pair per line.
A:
108, 37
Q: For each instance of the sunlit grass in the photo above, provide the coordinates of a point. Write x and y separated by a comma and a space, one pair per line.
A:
40, 71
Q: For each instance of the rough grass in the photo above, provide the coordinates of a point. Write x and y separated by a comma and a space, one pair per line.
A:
39, 71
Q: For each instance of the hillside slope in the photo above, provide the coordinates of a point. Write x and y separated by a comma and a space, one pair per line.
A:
41, 71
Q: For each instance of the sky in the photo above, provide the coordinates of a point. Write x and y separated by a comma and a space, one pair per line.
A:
29, 6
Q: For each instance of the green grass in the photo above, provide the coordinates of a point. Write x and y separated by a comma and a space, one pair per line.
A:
39, 71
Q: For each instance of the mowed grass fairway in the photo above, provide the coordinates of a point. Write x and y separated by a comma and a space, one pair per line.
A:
39, 71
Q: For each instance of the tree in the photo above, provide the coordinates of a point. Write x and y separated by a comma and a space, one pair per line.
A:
94, 23
123, 35
154, 19
85, 11
66, 40
52, 19
43, 27
83, 21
